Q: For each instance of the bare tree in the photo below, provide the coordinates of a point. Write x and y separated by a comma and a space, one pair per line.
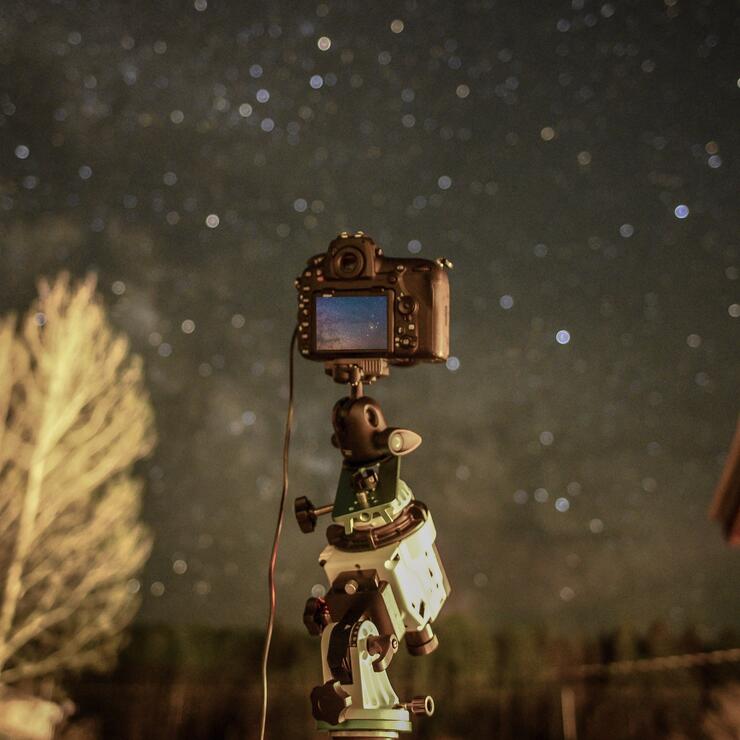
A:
74, 417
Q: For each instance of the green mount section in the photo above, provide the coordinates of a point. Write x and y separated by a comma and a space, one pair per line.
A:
386, 501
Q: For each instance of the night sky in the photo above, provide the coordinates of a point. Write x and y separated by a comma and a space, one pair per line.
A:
577, 161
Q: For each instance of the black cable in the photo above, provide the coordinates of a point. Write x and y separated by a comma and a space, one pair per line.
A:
276, 540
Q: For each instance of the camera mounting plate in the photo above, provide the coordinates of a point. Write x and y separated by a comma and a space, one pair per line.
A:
359, 371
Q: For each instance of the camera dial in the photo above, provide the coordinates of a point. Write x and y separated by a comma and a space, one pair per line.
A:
406, 305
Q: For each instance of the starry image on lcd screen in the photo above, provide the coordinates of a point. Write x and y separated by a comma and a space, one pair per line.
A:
357, 322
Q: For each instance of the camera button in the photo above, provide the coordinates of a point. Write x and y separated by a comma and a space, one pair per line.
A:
412, 327
406, 305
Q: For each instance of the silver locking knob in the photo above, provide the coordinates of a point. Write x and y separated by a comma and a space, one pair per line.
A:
421, 705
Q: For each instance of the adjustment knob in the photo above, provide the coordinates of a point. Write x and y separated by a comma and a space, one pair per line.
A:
305, 514
329, 701
421, 705
385, 647
422, 642
316, 615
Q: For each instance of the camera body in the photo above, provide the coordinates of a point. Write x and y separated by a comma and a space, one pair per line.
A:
356, 304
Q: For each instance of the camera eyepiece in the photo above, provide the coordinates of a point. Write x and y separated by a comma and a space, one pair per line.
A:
349, 262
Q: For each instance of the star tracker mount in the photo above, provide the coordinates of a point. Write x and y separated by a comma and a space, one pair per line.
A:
360, 312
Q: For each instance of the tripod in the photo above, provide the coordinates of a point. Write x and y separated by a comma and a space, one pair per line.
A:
386, 579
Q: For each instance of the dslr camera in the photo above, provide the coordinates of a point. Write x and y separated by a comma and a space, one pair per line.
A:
358, 307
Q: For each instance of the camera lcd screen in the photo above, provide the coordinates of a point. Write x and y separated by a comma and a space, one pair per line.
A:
351, 323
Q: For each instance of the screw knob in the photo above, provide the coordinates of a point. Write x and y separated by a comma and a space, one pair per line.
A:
421, 705
305, 514
316, 615
329, 701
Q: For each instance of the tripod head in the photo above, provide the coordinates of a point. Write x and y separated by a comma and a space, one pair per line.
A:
370, 491
362, 435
